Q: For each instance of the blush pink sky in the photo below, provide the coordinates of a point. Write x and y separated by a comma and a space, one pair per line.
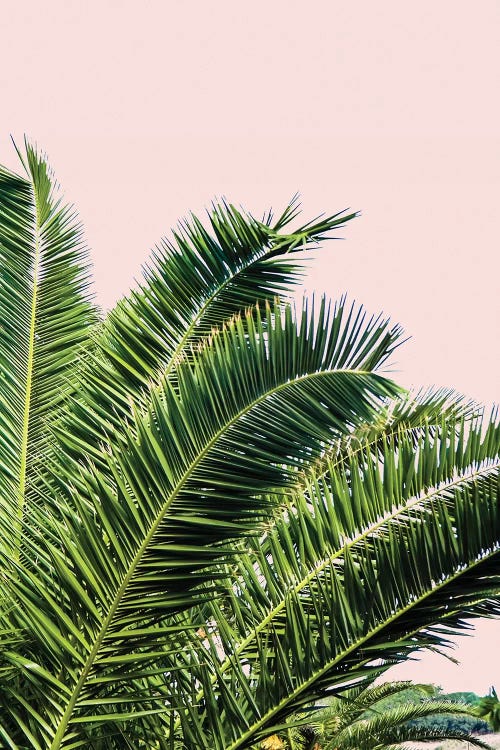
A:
148, 110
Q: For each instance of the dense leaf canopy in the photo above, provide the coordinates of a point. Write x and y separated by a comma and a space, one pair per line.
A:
215, 508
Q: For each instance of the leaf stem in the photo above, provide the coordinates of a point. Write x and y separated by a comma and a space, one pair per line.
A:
29, 373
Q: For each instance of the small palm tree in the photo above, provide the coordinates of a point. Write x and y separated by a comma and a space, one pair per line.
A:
214, 510
361, 720
489, 709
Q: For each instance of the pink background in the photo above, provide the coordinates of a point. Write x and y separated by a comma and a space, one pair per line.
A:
148, 110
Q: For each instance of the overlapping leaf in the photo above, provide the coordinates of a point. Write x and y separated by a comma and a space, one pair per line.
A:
144, 611
398, 536
130, 546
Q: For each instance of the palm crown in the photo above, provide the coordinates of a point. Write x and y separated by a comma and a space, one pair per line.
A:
214, 509
385, 716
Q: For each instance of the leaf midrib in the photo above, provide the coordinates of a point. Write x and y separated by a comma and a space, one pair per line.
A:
29, 367
65, 719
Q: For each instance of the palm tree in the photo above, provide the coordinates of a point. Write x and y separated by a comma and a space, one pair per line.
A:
489, 709
361, 719
215, 510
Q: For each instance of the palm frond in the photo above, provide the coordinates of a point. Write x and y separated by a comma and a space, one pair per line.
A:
201, 279
364, 698
364, 738
196, 283
45, 314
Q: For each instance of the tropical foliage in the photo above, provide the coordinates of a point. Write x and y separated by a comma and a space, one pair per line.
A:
368, 718
444, 723
215, 509
489, 709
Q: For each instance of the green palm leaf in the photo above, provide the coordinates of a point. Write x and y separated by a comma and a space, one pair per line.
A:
204, 277
196, 282
489, 708
45, 316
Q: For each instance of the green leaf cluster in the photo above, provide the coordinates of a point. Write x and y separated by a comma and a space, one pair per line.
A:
386, 715
215, 508
466, 722
489, 709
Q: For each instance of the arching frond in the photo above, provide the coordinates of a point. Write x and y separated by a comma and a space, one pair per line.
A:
45, 316
201, 278
196, 283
